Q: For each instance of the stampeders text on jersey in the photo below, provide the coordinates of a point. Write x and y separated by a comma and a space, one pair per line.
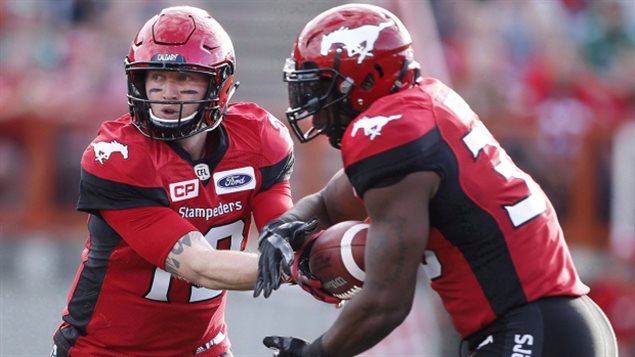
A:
210, 212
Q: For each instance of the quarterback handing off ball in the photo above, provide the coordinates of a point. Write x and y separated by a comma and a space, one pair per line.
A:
337, 258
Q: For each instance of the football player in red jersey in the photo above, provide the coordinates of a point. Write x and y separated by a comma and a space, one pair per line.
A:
439, 190
171, 189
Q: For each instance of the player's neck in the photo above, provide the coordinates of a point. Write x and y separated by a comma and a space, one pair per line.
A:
194, 145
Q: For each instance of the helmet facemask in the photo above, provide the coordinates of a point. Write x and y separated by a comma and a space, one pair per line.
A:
320, 94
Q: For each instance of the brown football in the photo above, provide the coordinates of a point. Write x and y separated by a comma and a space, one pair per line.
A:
337, 258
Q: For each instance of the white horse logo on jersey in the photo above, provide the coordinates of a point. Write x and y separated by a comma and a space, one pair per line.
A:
373, 126
358, 41
104, 149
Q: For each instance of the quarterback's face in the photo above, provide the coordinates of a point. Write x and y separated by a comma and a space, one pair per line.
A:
175, 86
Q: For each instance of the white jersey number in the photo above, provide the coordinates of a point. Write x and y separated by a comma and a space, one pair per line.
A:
432, 267
216, 237
530, 206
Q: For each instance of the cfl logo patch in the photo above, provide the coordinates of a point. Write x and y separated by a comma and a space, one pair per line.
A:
184, 190
202, 172
522, 346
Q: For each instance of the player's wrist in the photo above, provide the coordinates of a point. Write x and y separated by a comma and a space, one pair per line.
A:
285, 218
314, 349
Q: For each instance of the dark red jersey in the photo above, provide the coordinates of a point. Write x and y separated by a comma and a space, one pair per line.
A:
495, 241
122, 302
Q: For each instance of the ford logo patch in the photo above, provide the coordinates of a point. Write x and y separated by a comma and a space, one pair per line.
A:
236, 180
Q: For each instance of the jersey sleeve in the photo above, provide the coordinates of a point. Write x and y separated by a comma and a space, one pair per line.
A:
384, 145
117, 173
271, 204
150, 231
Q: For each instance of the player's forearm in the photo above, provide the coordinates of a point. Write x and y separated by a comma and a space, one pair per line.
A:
360, 328
390, 280
193, 259
229, 270
309, 207
334, 203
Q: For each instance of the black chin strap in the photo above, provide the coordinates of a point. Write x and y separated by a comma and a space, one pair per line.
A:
402, 73
336, 128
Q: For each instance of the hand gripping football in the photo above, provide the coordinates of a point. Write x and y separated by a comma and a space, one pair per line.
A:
337, 258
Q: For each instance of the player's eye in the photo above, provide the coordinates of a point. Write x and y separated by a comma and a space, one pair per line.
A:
155, 76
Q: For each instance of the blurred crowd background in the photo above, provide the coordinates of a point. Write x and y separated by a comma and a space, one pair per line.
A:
554, 80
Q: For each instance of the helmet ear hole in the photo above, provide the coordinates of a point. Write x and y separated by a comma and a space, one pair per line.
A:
379, 70
368, 83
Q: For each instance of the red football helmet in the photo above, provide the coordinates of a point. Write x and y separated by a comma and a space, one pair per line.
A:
181, 38
343, 60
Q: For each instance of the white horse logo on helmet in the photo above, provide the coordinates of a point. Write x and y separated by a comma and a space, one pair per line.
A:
358, 41
372, 126
104, 149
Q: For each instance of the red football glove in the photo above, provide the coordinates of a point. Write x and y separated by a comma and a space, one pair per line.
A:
301, 275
